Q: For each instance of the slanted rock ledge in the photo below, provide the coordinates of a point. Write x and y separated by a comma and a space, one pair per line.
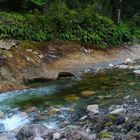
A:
24, 61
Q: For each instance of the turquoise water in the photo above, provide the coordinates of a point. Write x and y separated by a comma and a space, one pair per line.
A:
110, 87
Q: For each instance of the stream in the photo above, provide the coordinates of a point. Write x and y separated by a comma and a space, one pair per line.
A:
59, 103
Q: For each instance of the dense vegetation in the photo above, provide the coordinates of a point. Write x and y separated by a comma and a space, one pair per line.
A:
79, 20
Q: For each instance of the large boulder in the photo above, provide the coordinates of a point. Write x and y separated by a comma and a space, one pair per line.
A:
31, 131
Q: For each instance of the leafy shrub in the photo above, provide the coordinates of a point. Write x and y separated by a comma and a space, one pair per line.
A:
67, 24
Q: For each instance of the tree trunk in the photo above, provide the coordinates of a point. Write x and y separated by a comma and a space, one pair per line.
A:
115, 8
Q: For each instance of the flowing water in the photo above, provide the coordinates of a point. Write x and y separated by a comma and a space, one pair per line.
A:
61, 101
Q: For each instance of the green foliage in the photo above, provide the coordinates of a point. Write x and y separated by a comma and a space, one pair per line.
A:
83, 25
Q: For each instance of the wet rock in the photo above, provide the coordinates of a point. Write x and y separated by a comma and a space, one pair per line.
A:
7, 136
2, 115
101, 122
129, 61
87, 93
137, 72
52, 111
111, 65
71, 98
32, 109
56, 136
49, 134
77, 134
93, 108
123, 66
2, 128
83, 118
117, 111
127, 97
105, 97
29, 131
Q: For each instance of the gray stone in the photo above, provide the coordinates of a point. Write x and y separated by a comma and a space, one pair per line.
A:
123, 66
93, 108
29, 131
117, 111
7, 44
56, 136
2, 115
137, 72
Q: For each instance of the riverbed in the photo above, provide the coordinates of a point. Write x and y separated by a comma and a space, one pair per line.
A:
61, 103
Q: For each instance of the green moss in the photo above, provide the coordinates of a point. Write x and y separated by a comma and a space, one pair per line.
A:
105, 135
108, 124
111, 117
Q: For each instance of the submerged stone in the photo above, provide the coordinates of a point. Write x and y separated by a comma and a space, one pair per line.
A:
87, 93
71, 98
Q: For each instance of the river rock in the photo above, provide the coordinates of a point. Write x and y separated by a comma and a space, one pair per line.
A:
29, 131
32, 109
129, 61
93, 108
71, 98
123, 66
49, 134
137, 72
117, 111
111, 65
2, 115
77, 134
56, 136
2, 128
87, 93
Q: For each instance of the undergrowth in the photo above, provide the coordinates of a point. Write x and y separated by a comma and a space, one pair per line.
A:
82, 26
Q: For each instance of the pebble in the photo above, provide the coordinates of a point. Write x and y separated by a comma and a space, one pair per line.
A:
56, 136
2, 115
83, 118
93, 108
123, 66
117, 111
127, 97
111, 65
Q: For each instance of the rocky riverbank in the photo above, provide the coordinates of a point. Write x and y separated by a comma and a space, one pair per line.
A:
118, 122
24, 62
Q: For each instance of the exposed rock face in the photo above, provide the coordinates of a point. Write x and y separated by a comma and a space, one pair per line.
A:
24, 62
